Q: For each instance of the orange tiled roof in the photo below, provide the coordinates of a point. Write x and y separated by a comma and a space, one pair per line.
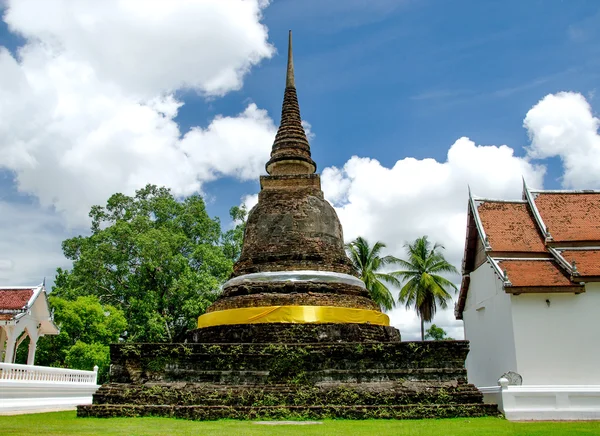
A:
534, 273
510, 227
570, 216
587, 261
6, 316
14, 299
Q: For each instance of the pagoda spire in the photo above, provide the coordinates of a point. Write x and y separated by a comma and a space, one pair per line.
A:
291, 151
289, 78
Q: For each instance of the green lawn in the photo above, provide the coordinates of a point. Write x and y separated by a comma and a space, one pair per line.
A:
66, 423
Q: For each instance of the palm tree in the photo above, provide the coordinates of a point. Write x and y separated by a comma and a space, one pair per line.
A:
367, 261
425, 289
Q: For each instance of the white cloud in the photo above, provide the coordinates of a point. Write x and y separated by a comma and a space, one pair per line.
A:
249, 201
88, 107
423, 197
308, 130
563, 125
150, 45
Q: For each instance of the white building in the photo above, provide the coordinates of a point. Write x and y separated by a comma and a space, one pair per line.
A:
24, 313
530, 301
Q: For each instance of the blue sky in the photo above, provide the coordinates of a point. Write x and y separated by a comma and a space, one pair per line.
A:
408, 78
394, 83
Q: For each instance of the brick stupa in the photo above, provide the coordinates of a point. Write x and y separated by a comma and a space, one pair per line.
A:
293, 281
294, 333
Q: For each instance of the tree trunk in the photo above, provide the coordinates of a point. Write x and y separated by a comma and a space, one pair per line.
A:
422, 330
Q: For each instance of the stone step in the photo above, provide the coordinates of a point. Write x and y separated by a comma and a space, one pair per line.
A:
306, 395
412, 411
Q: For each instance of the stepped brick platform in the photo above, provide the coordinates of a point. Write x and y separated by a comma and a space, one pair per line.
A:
399, 380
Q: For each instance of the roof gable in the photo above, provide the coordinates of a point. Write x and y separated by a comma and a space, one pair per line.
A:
532, 243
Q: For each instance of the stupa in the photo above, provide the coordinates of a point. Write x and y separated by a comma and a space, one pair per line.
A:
295, 332
293, 281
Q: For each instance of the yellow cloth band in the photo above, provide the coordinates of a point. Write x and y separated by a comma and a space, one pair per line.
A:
293, 314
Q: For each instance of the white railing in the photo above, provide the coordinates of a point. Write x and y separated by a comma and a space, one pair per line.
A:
32, 373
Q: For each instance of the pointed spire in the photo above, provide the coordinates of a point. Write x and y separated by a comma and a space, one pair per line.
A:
289, 78
291, 151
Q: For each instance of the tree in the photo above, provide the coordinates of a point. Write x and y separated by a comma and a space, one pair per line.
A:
158, 259
86, 329
367, 261
234, 238
437, 334
424, 289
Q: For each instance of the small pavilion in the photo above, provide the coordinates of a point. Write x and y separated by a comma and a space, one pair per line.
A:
24, 312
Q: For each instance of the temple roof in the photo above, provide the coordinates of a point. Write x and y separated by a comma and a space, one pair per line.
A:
291, 151
534, 273
17, 302
510, 227
587, 261
547, 242
569, 216
15, 299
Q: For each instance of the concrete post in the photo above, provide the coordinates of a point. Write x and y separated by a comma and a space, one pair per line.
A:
11, 340
2, 343
32, 348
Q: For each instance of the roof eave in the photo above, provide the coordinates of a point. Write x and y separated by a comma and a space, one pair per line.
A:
517, 290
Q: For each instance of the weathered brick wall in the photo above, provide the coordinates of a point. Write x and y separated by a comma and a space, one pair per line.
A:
283, 363
290, 230
293, 299
296, 287
294, 333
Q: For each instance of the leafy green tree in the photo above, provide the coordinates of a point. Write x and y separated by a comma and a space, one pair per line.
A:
86, 329
234, 238
436, 333
158, 259
424, 288
368, 262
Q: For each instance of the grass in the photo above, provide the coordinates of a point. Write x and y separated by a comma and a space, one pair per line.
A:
66, 423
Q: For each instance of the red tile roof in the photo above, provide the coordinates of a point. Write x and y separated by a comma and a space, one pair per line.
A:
14, 299
534, 273
510, 227
6, 316
587, 261
570, 216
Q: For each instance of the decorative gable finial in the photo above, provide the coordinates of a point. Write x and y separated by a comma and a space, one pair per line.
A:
574, 267
486, 243
505, 275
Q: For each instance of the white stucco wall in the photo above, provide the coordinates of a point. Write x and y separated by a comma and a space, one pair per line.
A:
558, 344
489, 328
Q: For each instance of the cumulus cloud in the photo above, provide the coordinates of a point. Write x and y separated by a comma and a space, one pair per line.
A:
149, 45
563, 125
423, 197
249, 201
87, 108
